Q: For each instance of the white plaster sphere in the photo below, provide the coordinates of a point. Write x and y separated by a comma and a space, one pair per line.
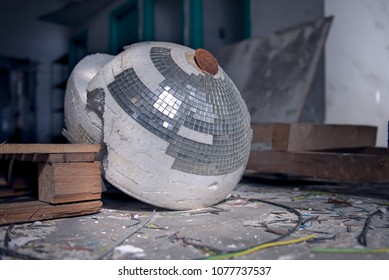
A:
176, 136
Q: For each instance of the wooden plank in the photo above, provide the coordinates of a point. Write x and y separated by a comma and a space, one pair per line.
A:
48, 148
69, 182
50, 158
357, 168
19, 212
262, 133
280, 137
304, 137
11, 192
77, 157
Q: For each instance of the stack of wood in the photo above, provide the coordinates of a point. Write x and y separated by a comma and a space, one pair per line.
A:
338, 153
46, 181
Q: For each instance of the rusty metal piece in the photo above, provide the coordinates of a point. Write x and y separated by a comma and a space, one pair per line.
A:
206, 61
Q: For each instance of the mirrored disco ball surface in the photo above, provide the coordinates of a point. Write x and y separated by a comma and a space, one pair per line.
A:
176, 130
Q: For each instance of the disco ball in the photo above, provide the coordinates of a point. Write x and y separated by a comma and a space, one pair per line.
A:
175, 129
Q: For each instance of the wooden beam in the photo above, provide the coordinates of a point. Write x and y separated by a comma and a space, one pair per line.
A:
306, 137
343, 167
262, 133
51, 158
48, 148
11, 192
281, 136
19, 212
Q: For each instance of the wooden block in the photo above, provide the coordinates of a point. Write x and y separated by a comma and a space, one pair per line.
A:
77, 157
19, 212
343, 167
64, 157
262, 133
280, 137
309, 137
69, 182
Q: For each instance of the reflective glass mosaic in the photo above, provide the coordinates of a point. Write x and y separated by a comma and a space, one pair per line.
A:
203, 118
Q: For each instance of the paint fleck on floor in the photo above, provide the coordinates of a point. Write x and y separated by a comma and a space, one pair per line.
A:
258, 221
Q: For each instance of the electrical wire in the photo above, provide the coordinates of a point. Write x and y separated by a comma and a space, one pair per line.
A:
138, 228
260, 247
271, 243
362, 236
349, 250
6, 251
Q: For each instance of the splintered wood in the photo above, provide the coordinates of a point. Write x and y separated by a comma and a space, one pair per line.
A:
29, 211
340, 153
67, 181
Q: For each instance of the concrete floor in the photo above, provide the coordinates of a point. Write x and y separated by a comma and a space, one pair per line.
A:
330, 216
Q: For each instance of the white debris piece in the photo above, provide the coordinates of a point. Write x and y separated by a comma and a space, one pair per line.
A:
129, 251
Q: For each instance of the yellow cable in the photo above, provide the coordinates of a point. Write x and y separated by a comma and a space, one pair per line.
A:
259, 247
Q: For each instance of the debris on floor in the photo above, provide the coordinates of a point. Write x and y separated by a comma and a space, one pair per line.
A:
258, 221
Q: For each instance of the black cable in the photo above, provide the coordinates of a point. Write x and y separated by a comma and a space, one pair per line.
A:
362, 236
294, 229
289, 209
6, 251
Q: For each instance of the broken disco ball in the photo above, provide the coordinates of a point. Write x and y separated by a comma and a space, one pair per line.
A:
176, 130
83, 125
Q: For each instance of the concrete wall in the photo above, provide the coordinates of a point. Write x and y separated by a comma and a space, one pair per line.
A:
29, 38
98, 29
168, 21
223, 23
223, 20
167, 24
357, 64
269, 16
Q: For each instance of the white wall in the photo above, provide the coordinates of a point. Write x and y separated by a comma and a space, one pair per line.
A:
357, 64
